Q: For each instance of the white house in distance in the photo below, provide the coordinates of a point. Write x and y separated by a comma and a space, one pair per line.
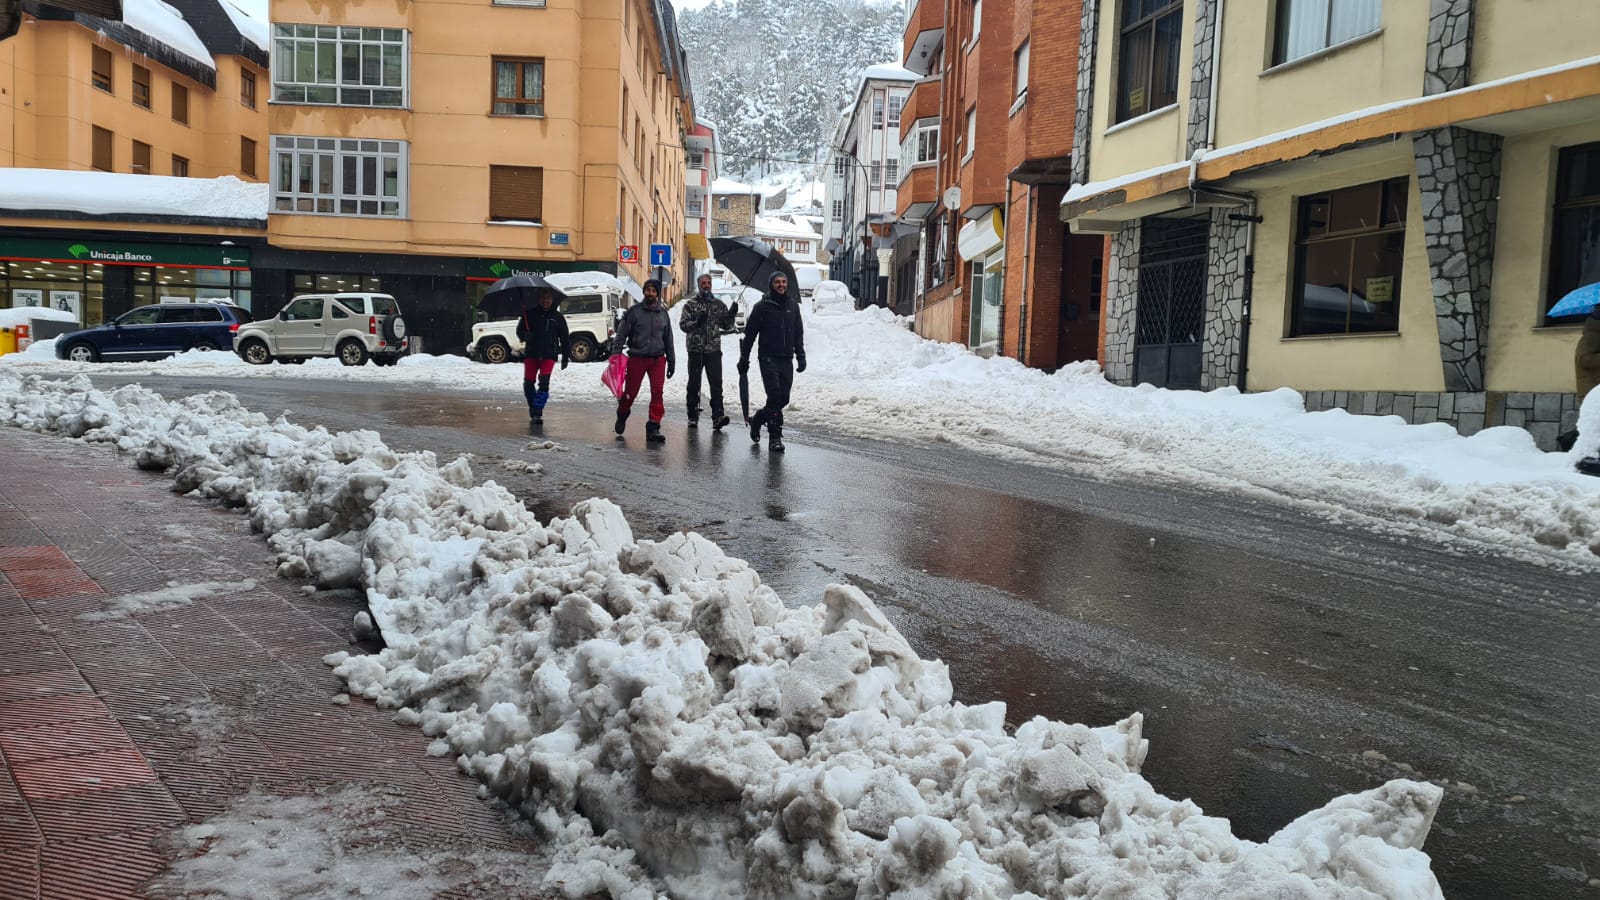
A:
795, 240
863, 170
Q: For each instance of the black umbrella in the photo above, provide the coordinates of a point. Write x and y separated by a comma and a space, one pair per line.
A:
753, 261
508, 297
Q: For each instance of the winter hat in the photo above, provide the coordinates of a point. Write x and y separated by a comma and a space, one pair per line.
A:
655, 281
773, 280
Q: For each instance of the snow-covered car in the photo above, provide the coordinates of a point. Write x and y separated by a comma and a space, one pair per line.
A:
592, 303
354, 327
746, 297
808, 276
831, 297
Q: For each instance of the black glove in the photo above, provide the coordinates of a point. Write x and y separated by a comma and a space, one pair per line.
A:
564, 362
800, 363
671, 367
744, 365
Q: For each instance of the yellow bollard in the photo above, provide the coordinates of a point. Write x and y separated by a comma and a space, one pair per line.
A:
8, 342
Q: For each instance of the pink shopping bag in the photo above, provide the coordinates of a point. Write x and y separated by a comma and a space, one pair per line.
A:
616, 374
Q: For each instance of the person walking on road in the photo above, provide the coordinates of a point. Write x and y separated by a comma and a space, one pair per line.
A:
775, 323
705, 319
1586, 366
646, 333
543, 332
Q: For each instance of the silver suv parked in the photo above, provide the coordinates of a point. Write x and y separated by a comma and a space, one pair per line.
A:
354, 327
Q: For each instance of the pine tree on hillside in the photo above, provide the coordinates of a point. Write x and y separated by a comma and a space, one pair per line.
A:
773, 74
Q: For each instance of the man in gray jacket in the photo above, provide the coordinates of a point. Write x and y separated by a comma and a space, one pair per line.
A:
646, 333
705, 319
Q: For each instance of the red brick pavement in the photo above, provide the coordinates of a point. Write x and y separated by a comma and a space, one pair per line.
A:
115, 731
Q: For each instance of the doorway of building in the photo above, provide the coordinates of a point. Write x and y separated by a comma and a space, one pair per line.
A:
1171, 314
1078, 337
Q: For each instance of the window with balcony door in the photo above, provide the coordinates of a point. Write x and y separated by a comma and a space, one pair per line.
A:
1151, 44
1348, 260
1575, 249
102, 69
1306, 26
141, 86
518, 87
516, 194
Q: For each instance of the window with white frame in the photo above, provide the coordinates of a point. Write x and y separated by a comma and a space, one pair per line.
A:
339, 176
697, 159
838, 209
724, 229
841, 166
891, 173
1306, 26
1020, 68
972, 132
340, 65
877, 109
977, 19
897, 102
875, 179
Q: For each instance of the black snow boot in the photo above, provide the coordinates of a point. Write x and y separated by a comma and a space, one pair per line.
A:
1589, 465
719, 422
775, 444
622, 423
694, 421
755, 429
652, 433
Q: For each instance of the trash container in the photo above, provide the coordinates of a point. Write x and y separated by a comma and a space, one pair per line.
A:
8, 341
24, 337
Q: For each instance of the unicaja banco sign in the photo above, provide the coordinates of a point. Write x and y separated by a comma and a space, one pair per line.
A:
198, 256
79, 251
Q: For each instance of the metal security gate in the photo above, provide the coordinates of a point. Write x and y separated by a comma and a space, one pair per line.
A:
1170, 324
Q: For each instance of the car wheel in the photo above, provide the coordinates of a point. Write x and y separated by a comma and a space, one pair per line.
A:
496, 352
204, 346
351, 353
82, 353
255, 352
583, 349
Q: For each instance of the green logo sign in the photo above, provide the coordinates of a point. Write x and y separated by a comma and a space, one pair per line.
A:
129, 254
78, 251
500, 269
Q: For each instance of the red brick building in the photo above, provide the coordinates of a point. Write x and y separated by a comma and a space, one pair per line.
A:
986, 160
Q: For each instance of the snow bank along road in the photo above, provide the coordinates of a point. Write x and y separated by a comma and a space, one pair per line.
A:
869, 376
669, 724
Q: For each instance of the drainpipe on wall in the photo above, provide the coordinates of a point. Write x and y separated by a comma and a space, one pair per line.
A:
1216, 65
1022, 312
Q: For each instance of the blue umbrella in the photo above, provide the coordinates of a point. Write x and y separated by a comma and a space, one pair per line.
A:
1580, 301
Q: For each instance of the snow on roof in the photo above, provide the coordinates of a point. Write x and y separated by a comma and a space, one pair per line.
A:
766, 225
166, 24
22, 315
254, 30
891, 72
729, 186
117, 193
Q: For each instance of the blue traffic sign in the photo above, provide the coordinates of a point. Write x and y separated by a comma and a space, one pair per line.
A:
660, 254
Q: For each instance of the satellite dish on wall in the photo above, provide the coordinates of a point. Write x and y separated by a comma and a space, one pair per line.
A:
952, 197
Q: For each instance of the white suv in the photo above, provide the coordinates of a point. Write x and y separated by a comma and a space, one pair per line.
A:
351, 327
591, 302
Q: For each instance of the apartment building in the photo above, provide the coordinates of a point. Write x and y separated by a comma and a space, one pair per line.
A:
1390, 246
428, 148
701, 171
175, 91
862, 181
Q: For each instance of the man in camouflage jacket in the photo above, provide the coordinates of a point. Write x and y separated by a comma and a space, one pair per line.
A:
704, 320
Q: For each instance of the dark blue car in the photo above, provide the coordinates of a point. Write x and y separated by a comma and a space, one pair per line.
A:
152, 332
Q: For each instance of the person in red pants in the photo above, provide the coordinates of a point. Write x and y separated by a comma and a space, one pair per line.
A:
646, 333
543, 332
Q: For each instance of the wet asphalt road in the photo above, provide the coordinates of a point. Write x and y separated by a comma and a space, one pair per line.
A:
1278, 660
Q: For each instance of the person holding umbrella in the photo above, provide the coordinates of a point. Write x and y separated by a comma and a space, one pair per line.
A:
646, 333
775, 323
705, 319
543, 332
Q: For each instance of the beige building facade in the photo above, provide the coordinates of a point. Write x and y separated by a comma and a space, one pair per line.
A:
1390, 246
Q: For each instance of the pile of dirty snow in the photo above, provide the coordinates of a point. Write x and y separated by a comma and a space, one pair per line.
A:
670, 725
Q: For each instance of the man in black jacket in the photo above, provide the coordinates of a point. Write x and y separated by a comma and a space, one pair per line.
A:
775, 321
705, 320
543, 332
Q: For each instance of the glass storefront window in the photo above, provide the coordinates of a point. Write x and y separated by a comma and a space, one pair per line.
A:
69, 287
309, 283
174, 284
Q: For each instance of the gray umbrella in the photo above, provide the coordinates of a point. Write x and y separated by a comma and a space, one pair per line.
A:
753, 261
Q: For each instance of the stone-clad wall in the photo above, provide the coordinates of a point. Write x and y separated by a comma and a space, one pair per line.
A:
1205, 41
1545, 416
1458, 177
1225, 287
1449, 57
1083, 117
1121, 306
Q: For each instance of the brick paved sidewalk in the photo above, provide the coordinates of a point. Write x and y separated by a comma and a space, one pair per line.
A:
114, 731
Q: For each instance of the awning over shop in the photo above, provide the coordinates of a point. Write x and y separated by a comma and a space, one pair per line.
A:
981, 236
699, 247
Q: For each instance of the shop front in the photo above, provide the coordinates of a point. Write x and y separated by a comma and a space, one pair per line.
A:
483, 273
97, 280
